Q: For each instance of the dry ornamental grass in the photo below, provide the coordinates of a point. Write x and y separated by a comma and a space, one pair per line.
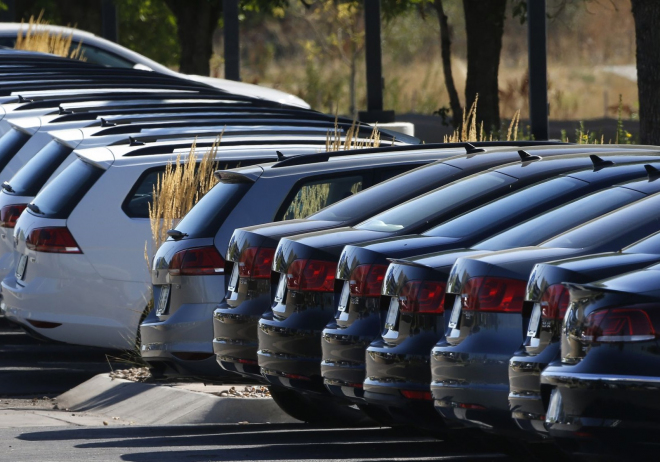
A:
179, 188
38, 38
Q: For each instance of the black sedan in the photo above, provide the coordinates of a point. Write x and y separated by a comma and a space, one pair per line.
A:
605, 388
470, 370
547, 300
235, 319
307, 294
360, 316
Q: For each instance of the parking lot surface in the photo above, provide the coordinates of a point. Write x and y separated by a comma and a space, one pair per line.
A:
33, 373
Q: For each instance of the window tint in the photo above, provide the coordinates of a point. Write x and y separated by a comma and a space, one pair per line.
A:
614, 230
432, 204
136, 205
387, 194
60, 196
312, 196
95, 55
650, 245
519, 204
208, 215
10, 143
559, 219
34, 174
137, 202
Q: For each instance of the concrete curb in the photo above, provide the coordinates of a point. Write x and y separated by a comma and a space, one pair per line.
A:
143, 403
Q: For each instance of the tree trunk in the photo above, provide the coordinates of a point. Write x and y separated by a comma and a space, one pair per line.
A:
647, 30
484, 25
196, 20
445, 48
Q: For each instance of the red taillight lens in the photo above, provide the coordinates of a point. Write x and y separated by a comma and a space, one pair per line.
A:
52, 240
256, 262
422, 297
554, 302
199, 261
367, 280
10, 213
500, 295
414, 394
311, 275
618, 325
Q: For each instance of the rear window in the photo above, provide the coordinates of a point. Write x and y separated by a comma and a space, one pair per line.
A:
312, 196
432, 204
521, 203
387, 194
60, 196
207, 216
34, 174
559, 219
616, 229
10, 143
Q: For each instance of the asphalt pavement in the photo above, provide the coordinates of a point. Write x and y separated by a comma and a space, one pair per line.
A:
32, 428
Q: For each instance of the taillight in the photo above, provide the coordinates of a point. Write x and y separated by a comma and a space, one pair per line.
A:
10, 213
52, 240
618, 325
414, 394
493, 294
311, 275
554, 302
198, 261
367, 280
256, 262
422, 297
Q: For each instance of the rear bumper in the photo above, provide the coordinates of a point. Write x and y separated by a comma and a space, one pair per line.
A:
605, 406
473, 388
343, 353
89, 312
290, 349
182, 339
235, 339
528, 401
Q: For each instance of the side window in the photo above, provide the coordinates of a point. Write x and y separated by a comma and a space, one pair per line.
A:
311, 196
136, 204
95, 55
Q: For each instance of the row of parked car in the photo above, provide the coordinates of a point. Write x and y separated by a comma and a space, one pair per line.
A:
506, 287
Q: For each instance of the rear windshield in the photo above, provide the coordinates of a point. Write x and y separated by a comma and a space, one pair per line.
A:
10, 143
34, 174
387, 194
432, 204
559, 219
519, 204
207, 216
60, 196
615, 229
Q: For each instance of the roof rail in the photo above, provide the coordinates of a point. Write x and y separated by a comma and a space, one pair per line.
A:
470, 148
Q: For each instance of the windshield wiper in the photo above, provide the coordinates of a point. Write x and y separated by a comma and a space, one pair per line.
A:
176, 234
34, 208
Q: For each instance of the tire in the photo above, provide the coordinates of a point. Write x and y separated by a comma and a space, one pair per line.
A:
319, 411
